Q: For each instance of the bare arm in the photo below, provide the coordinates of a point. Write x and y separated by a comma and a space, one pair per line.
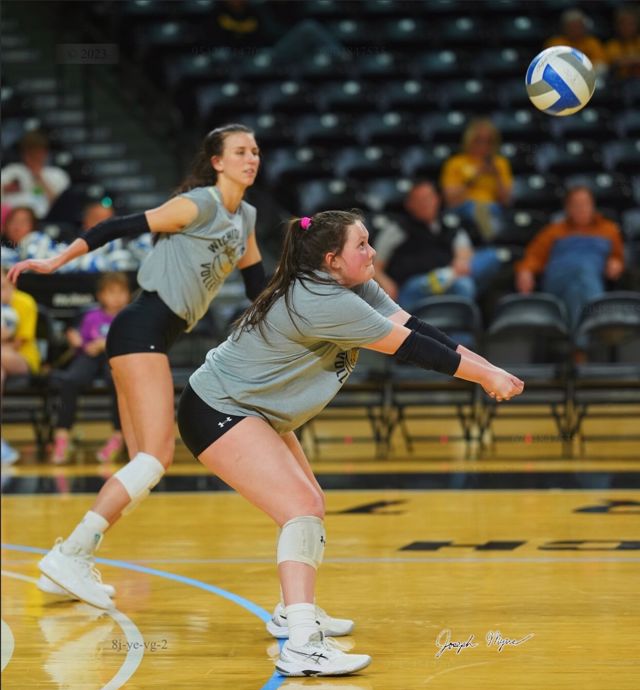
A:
495, 381
172, 216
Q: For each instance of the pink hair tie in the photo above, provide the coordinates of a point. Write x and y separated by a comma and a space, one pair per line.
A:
305, 222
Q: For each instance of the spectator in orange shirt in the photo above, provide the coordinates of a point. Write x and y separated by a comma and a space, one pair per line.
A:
623, 52
575, 25
477, 183
574, 256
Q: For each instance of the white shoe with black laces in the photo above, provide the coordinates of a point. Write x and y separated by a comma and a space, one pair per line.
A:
331, 627
320, 656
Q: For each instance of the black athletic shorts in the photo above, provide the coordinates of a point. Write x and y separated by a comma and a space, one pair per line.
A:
199, 424
145, 325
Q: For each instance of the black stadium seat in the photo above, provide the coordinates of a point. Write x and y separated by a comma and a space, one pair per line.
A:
611, 326
567, 157
529, 336
424, 396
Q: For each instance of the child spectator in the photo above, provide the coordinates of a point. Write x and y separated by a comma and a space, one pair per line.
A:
89, 362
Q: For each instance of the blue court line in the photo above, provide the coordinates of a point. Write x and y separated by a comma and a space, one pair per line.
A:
272, 684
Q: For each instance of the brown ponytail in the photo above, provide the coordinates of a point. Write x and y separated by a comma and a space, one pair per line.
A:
302, 255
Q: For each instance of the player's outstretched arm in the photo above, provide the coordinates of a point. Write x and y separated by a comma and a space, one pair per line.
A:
427, 353
172, 216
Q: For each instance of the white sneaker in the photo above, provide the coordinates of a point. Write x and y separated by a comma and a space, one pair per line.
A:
318, 657
77, 575
332, 627
50, 587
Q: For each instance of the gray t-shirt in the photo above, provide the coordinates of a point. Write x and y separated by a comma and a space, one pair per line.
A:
187, 268
289, 374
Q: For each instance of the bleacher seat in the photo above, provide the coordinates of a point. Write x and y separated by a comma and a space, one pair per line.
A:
385, 194
505, 63
520, 157
443, 127
529, 336
323, 195
589, 123
291, 97
328, 129
409, 95
365, 163
381, 65
425, 396
537, 191
438, 65
424, 161
567, 157
393, 128
474, 95
611, 327
219, 102
293, 165
350, 96
622, 156
524, 30
270, 130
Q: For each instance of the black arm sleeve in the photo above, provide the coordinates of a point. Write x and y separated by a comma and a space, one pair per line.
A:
255, 280
114, 228
423, 328
427, 353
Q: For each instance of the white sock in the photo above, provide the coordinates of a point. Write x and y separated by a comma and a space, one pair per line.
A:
301, 619
87, 535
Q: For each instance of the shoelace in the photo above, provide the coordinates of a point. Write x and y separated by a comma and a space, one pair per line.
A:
86, 561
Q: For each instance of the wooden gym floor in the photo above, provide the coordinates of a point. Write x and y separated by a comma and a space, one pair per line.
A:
521, 570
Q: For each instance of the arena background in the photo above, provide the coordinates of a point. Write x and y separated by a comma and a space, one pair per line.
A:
426, 478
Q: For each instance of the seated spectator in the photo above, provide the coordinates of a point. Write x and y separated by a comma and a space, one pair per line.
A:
477, 183
573, 256
93, 213
575, 33
20, 354
623, 51
33, 183
20, 221
420, 257
89, 363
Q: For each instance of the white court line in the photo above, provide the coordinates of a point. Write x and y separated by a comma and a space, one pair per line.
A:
8, 644
135, 640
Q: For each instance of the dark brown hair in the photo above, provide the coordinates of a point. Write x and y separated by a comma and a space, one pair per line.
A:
202, 173
303, 254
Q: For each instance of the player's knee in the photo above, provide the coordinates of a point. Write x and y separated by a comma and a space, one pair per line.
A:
311, 503
138, 477
302, 539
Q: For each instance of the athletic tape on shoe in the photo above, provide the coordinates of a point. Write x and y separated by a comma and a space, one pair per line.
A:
138, 477
302, 539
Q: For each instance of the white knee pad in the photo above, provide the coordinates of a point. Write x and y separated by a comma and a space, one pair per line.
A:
138, 477
302, 539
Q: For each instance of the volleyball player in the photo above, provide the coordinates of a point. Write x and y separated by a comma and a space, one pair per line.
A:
285, 360
201, 235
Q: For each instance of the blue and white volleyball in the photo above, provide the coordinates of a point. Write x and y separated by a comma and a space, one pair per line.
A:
560, 81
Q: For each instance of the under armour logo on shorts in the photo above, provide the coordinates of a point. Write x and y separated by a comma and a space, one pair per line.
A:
221, 424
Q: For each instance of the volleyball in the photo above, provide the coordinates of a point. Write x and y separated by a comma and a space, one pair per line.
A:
560, 80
